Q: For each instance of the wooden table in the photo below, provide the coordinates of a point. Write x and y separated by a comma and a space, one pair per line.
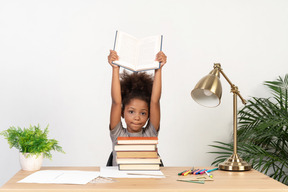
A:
223, 182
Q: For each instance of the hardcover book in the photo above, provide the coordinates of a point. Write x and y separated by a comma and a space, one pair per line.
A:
137, 54
138, 160
145, 147
137, 154
140, 167
137, 140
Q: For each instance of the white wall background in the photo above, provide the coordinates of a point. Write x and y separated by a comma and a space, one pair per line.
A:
54, 70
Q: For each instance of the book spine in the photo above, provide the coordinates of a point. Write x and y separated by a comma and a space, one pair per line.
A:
161, 43
138, 161
115, 40
139, 142
137, 154
160, 49
131, 167
139, 147
137, 138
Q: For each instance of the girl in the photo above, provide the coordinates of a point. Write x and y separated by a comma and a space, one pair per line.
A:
136, 98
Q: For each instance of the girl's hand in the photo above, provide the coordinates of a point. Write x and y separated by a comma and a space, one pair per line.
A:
113, 57
161, 58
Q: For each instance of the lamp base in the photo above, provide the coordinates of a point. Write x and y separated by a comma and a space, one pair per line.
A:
235, 163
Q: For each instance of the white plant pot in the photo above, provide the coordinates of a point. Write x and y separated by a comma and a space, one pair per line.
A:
31, 163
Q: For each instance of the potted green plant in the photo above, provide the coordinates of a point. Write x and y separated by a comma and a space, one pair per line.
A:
263, 133
33, 145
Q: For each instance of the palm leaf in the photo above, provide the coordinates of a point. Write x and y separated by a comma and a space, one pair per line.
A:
262, 133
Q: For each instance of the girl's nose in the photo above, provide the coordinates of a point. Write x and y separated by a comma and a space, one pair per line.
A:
137, 117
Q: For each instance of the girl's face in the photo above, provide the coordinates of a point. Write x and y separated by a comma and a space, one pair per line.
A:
136, 115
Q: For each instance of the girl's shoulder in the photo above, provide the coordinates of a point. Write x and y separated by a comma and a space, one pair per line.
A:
118, 131
149, 130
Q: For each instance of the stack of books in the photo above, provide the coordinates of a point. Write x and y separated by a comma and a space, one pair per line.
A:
137, 153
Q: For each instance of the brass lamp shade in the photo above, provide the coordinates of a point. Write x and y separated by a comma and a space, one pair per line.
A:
208, 90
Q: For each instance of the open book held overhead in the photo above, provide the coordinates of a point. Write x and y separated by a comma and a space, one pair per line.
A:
137, 54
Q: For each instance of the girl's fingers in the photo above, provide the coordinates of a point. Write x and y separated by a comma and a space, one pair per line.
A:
112, 56
161, 57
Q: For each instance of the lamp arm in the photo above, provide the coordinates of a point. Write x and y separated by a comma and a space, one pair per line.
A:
234, 88
233, 163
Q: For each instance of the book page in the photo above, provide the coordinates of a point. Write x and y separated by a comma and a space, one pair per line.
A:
114, 172
148, 49
61, 177
126, 48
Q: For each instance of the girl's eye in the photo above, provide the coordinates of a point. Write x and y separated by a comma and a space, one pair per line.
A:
131, 112
143, 113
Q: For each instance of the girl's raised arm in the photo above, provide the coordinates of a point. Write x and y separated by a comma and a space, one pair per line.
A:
156, 92
115, 113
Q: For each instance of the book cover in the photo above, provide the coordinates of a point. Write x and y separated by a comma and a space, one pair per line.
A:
139, 147
140, 167
137, 54
137, 140
137, 154
138, 160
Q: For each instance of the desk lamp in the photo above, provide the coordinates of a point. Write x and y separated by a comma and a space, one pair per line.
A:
208, 92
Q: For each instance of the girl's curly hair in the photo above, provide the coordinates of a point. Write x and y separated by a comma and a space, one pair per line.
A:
135, 86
